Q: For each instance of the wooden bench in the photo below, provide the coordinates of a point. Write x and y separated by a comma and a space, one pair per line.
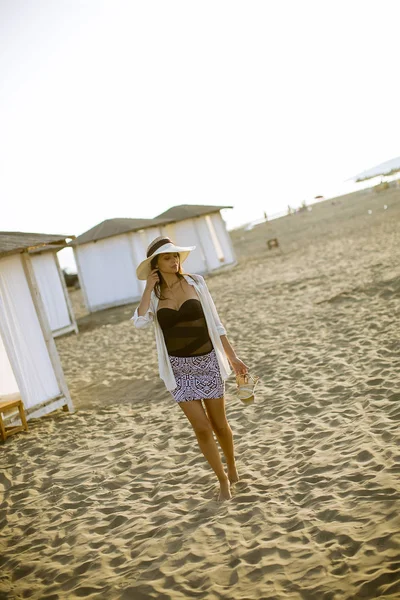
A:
6, 405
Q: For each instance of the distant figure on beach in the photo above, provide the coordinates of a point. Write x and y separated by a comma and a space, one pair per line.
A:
194, 354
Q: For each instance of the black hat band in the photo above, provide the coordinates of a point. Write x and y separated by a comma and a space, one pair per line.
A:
157, 245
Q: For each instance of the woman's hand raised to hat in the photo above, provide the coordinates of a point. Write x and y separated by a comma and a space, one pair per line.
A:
152, 279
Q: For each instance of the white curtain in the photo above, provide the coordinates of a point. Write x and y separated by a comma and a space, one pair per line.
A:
210, 261
223, 237
138, 244
186, 235
51, 290
140, 241
108, 271
151, 234
169, 231
8, 384
22, 335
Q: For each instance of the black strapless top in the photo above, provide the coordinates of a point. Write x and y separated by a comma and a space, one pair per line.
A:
185, 330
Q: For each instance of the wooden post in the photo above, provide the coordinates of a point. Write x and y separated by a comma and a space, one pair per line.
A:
22, 416
67, 298
46, 330
3, 433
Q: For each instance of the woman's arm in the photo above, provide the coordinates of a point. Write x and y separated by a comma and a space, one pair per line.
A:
142, 321
237, 365
145, 302
143, 315
229, 351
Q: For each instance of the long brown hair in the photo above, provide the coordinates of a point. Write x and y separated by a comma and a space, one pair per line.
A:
180, 274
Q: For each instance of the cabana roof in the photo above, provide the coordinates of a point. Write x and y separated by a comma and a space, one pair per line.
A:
13, 242
189, 211
48, 248
112, 227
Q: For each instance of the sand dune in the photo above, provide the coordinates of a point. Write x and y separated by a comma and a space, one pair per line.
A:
115, 501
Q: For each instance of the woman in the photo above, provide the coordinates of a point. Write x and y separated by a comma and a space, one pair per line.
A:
193, 350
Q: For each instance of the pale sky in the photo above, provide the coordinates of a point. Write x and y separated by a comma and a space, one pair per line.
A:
124, 108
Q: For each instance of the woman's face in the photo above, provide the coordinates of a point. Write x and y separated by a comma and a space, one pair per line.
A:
168, 262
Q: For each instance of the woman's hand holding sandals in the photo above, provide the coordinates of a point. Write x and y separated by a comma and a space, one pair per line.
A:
238, 366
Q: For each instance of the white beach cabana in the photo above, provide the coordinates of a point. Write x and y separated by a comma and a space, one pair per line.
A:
53, 289
51, 282
107, 255
203, 227
29, 361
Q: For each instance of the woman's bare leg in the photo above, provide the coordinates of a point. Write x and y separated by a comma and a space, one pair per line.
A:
202, 427
216, 413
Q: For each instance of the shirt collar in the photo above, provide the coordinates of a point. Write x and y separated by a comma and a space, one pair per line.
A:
190, 281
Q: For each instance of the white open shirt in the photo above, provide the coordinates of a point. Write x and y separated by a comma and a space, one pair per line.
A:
215, 329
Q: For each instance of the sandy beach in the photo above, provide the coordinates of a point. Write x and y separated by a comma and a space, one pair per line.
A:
115, 501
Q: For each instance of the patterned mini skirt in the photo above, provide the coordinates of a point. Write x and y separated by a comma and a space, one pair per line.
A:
197, 377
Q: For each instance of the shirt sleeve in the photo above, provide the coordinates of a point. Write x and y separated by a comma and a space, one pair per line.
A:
141, 322
221, 329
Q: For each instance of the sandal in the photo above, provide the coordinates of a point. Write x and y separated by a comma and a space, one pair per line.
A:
245, 388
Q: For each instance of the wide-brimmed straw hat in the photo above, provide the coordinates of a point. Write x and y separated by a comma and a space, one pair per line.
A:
159, 246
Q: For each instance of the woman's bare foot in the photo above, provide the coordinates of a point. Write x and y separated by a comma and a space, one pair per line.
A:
225, 490
233, 475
